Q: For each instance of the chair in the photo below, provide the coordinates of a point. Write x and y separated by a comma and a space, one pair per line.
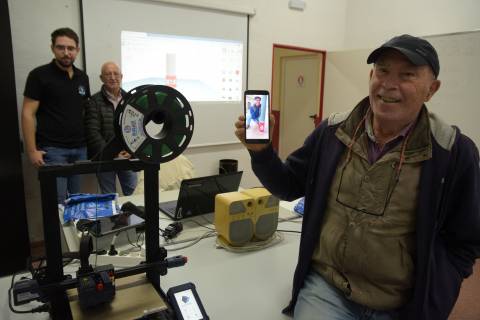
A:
171, 174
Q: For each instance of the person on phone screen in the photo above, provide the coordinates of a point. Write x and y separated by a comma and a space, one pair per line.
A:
99, 114
391, 222
254, 111
52, 112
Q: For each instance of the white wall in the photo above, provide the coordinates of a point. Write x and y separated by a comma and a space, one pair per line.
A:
320, 26
32, 23
371, 22
346, 80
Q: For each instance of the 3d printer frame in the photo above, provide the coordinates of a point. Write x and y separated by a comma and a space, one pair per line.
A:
154, 254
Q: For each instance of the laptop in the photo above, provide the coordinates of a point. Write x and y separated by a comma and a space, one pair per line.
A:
197, 195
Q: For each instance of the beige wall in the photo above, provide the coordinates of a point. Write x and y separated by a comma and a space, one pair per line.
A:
370, 22
346, 80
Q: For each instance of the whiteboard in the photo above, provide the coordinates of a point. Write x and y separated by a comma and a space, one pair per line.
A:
213, 120
458, 100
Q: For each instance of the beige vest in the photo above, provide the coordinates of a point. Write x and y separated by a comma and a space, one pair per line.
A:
367, 239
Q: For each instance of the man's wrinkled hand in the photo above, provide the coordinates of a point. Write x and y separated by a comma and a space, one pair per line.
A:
240, 133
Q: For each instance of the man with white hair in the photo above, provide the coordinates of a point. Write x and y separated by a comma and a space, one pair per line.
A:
391, 222
99, 115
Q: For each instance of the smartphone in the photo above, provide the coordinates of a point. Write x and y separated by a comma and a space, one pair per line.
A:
257, 120
186, 302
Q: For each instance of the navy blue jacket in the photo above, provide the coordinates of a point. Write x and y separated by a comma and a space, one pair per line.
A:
448, 212
254, 112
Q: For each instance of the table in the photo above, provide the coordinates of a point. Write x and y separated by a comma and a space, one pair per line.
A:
234, 286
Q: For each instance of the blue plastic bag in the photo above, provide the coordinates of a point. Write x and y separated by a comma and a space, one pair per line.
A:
299, 206
89, 206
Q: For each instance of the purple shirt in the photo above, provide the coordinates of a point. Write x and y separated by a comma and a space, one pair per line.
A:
375, 151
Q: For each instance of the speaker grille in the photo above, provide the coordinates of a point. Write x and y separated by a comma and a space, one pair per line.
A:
237, 207
266, 225
272, 202
241, 231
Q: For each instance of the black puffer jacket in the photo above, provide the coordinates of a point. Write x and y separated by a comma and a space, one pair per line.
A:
99, 114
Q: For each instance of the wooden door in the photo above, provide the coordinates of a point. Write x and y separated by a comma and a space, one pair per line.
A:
299, 99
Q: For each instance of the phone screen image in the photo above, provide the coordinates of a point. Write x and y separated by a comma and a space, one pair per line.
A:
188, 305
257, 122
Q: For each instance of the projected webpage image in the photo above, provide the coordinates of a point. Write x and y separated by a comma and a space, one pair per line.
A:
202, 69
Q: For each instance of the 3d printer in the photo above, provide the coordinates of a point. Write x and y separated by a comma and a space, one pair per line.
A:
142, 106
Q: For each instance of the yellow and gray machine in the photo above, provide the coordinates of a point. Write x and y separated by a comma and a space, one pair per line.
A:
246, 215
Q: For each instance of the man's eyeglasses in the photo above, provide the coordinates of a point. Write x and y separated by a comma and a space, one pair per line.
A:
370, 198
374, 189
63, 48
111, 75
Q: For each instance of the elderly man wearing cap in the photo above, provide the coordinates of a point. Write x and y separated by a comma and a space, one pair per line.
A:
392, 217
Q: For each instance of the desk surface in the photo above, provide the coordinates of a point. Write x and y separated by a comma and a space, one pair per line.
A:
235, 286
253, 285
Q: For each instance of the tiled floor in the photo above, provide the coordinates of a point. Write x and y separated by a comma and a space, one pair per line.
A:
468, 303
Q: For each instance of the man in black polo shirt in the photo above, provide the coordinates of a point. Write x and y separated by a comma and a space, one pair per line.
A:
52, 114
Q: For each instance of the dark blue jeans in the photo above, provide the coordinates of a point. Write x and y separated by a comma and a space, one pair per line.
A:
57, 156
128, 181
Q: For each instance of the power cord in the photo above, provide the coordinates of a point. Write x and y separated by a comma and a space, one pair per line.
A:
291, 231
39, 272
191, 242
137, 245
199, 224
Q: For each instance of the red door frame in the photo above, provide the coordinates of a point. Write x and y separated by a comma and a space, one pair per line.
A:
276, 113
